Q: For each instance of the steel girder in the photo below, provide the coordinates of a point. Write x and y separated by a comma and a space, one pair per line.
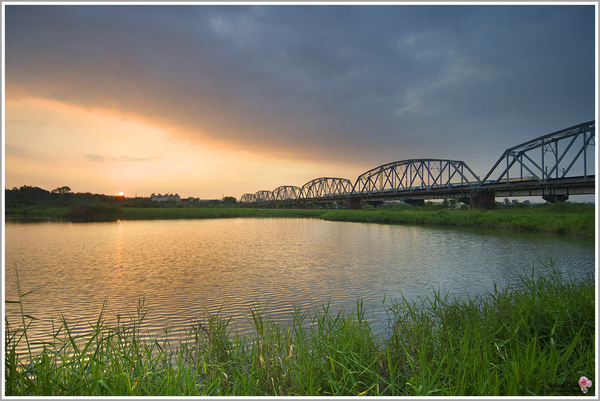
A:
561, 154
326, 187
286, 193
415, 174
247, 198
263, 196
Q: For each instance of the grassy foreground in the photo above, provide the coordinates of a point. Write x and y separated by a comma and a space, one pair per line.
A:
535, 340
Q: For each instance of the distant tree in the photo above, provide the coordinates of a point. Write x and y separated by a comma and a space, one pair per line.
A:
61, 190
229, 200
33, 193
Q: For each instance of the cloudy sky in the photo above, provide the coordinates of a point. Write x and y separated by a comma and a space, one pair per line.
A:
213, 100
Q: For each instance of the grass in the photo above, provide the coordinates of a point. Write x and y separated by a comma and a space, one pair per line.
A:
213, 213
537, 339
102, 212
566, 218
558, 218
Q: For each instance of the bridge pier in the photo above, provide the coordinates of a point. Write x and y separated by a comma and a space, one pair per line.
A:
553, 198
465, 199
353, 203
482, 200
415, 202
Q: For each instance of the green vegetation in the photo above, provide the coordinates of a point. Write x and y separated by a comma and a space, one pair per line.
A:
537, 339
30, 203
568, 218
213, 213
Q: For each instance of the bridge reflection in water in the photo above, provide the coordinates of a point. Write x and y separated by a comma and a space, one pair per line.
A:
552, 166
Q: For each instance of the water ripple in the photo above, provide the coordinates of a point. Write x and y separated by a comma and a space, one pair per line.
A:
185, 269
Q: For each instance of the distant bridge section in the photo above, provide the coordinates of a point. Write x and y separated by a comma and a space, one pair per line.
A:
326, 187
263, 196
287, 193
247, 198
553, 166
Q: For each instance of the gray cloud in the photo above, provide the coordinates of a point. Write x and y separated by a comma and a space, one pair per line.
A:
133, 159
94, 158
365, 83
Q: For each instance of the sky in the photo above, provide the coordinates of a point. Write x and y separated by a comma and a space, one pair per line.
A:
222, 100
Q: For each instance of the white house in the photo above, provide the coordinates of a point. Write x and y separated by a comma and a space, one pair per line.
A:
165, 198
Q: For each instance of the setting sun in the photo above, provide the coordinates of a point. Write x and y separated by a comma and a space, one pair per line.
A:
121, 194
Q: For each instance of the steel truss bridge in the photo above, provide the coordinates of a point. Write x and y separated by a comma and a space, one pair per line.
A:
553, 166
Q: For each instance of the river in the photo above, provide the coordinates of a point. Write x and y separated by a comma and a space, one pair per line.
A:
184, 268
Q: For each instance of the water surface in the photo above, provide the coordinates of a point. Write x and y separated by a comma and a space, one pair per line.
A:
183, 268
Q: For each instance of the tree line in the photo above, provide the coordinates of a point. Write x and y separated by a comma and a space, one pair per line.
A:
28, 195
63, 196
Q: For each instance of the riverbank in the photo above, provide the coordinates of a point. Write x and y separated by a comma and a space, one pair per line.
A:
574, 219
566, 218
537, 340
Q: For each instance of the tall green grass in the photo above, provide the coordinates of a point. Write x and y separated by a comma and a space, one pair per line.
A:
105, 212
537, 339
214, 213
564, 218
560, 218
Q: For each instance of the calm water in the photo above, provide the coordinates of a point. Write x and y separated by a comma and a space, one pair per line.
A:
184, 267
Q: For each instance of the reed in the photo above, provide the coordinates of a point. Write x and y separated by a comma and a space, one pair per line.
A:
534, 339
214, 213
567, 218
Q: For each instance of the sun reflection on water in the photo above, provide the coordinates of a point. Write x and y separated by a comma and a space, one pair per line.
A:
186, 268
119, 253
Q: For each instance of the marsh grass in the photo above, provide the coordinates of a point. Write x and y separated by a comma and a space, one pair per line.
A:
558, 218
567, 218
537, 339
214, 213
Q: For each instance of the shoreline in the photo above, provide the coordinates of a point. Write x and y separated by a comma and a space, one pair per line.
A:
569, 219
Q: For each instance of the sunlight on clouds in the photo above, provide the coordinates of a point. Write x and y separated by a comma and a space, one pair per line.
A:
51, 144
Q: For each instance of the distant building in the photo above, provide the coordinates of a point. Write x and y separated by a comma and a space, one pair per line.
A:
165, 198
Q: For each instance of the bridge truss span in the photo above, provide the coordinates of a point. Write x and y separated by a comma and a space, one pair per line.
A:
415, 175
553, 166
326, 187
247, 198
263, 196
561, 155
287, 193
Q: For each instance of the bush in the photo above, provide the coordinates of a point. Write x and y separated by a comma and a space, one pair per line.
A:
93, 211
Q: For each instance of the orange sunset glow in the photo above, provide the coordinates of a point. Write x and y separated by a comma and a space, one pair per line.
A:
100, 152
